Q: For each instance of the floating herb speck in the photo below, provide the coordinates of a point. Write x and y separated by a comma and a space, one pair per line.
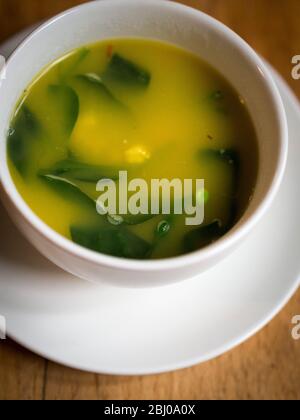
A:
217, 95
163, 228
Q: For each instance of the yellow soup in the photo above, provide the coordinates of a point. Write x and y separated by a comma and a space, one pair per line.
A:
141, 106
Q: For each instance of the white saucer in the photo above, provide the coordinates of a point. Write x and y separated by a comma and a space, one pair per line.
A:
107, 330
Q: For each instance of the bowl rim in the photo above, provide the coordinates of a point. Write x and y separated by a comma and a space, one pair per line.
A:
221, 245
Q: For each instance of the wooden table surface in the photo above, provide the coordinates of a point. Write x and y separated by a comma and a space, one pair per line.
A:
268, 365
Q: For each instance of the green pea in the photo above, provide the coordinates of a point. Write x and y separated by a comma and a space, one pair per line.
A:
202, 196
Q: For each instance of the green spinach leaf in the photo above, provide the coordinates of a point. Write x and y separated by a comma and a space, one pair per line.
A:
202, 236
76, 60
65, 102
118, 242
231, 158
23, 130
124, 71
92, 80
69, 189
79, 171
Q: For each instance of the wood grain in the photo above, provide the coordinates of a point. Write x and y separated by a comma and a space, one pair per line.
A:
268, 365
22, 374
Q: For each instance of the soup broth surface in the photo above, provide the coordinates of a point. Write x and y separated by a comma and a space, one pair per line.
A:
140, 106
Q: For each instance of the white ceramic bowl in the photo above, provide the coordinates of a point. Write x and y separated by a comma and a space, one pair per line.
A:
187, 28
